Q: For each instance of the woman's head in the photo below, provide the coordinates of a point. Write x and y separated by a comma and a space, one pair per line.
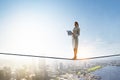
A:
76, 24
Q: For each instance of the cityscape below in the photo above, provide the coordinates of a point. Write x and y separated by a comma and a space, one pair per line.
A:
53, 69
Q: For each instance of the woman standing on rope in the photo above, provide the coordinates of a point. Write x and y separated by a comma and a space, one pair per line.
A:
75, 34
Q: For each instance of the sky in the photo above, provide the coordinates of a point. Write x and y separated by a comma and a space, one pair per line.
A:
38, 27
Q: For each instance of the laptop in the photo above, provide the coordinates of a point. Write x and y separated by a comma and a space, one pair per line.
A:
69, 32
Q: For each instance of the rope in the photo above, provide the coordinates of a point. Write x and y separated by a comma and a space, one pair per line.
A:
59, 57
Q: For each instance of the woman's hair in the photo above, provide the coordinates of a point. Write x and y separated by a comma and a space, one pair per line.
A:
76, 23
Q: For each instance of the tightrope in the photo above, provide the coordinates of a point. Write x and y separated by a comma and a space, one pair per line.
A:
25, 55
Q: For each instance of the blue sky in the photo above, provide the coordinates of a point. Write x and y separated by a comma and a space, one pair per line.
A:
39, 27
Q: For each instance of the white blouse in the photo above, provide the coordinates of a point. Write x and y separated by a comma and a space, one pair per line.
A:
76, 32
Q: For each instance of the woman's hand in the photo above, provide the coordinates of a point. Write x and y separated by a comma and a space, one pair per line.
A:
73, 35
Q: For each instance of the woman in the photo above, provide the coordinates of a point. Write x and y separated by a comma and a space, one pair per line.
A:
75, 34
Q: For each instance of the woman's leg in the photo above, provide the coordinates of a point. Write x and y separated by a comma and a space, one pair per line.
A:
75, 53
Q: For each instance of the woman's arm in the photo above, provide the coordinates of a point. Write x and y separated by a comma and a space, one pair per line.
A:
77, 33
